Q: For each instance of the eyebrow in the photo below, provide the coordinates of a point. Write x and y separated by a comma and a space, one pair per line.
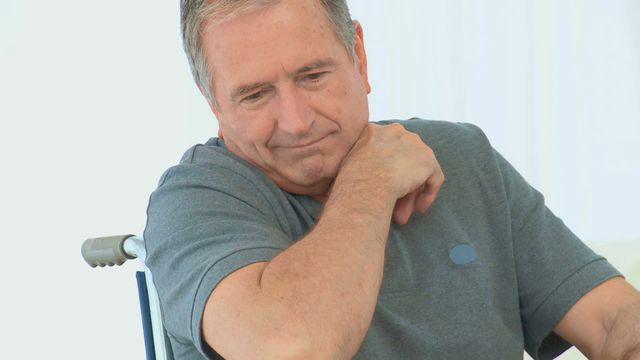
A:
245, 89
320, 63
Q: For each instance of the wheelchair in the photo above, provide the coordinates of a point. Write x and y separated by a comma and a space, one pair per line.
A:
116, 250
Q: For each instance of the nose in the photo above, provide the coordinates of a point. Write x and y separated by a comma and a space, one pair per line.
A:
294, 115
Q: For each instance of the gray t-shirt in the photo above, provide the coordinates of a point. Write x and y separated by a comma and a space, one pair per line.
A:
486, 272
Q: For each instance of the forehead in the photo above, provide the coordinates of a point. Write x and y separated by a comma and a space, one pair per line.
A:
257, 44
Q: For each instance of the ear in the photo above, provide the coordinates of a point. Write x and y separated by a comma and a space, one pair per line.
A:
361, 55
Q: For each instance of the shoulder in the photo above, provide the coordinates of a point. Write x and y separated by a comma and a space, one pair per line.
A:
452, 142
211, 166
439, 131
210, 176
444, 134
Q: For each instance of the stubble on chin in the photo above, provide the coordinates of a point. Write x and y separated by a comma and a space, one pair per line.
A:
307, 176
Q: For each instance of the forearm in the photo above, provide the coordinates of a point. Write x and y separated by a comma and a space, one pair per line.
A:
316, 299
323, 289
623, 338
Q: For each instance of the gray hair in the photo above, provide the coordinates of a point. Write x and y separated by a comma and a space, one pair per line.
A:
196, 13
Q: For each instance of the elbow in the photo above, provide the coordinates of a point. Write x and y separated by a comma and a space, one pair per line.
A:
281, 350
254, 345
287, 349
307, 349
268, 349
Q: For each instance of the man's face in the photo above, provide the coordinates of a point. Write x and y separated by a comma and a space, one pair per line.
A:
289, 99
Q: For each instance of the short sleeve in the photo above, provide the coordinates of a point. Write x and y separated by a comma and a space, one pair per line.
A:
554, 268
202, 225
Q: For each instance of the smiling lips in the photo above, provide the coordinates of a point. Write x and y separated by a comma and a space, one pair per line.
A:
305, 144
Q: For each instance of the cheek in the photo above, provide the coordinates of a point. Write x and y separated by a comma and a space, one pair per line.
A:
250, 128
338, 100
353, 105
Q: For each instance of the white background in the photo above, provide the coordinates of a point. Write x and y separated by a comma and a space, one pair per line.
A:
96, 101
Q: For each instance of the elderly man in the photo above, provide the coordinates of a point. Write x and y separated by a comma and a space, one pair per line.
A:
305, 232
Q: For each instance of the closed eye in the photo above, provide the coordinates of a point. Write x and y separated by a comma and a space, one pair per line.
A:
255, 97
315, 77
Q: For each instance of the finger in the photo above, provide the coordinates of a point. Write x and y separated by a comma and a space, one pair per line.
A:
430, 191
404, 208
424, 202
422, 199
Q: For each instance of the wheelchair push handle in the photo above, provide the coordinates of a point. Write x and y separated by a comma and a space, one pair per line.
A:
106, 251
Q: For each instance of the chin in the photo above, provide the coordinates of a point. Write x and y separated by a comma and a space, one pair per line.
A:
307, 181
309, 175
312, 179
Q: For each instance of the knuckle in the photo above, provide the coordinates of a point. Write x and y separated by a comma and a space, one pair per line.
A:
429, 151
396, 128
415, 137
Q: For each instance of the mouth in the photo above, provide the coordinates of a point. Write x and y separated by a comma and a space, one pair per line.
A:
306, 144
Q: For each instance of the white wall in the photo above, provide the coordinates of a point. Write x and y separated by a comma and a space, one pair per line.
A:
96, 100
554, 84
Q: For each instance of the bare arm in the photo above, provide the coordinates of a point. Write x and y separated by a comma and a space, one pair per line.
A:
623, 339
605, 323
316, 299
